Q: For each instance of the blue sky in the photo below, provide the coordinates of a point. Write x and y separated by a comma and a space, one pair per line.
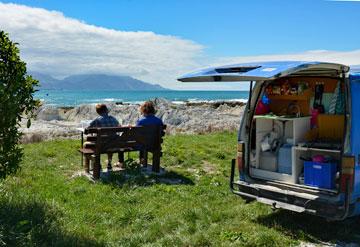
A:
226, 30
229, 27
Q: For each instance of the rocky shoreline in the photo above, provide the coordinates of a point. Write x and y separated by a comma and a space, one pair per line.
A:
188, 117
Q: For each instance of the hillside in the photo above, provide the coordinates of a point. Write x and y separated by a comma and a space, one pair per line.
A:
94, 82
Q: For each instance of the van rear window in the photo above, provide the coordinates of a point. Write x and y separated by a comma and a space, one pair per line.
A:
236, 69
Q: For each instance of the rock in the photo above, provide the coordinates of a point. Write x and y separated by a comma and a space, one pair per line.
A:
173, 121
48, 113
161, 102
202, 118
82, 112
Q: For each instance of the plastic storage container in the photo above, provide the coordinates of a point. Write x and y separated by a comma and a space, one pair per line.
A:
285, 159
268, 161
321, 175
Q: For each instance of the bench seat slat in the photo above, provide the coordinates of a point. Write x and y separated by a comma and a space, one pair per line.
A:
86, 150
91, 138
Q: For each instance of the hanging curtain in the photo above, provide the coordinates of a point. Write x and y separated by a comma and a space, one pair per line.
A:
340, 103
334, 99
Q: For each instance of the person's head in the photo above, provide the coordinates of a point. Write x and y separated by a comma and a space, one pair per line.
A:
147, 108
101, 109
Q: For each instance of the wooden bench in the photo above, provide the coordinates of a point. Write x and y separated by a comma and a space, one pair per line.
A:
119, 140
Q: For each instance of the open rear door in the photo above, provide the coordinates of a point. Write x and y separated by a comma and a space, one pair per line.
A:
262, 71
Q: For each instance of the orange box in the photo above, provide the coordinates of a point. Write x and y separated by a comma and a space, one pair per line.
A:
331, 126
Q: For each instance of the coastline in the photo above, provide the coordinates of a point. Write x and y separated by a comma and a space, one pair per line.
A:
187, 117
74, 98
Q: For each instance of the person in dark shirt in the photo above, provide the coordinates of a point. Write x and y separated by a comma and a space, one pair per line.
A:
104, 120
148, 111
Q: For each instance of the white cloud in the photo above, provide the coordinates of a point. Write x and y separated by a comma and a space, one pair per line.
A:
55, 44
343, 57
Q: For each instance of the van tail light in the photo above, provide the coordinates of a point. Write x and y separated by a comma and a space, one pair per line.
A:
240, 159
347, 173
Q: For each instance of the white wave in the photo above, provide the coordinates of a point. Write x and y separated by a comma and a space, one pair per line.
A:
178, 102
103, 100
135, 102
109, 99
237, 100
217, 100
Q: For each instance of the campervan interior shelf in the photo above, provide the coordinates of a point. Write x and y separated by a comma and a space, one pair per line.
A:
299, 152
297, 166
285, 118
296, 123
290, 130
289, 97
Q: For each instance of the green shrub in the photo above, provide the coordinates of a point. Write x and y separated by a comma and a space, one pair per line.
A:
16, 103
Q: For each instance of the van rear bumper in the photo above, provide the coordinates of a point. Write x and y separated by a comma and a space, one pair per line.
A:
330, 209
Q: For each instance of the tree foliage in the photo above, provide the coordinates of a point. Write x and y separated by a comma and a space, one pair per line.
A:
16, 103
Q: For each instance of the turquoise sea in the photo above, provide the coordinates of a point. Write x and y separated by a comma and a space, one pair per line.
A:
77, 97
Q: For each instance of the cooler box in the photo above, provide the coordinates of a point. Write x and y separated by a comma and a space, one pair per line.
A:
321, 175
285, 160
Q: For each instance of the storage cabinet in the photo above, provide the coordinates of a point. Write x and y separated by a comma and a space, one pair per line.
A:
290, 130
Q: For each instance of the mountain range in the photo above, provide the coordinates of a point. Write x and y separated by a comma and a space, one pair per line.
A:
94, 82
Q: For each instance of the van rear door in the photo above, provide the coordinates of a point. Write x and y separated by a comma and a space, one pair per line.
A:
263, 71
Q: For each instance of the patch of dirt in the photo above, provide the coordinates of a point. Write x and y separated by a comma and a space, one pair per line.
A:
104, 174
171, 181
208, 168
192, 170
83, 174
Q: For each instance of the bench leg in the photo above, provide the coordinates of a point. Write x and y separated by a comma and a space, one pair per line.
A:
143, 154
156, 161
121, 157
87, 163
97, 167
110, 155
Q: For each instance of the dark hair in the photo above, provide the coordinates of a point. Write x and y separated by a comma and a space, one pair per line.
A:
101, 109
147, 108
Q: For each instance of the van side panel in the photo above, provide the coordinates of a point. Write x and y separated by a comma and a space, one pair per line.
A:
355, 136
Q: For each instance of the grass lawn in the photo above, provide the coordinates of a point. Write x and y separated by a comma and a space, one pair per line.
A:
43, 206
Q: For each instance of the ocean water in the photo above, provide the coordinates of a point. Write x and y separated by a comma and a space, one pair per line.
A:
77, 97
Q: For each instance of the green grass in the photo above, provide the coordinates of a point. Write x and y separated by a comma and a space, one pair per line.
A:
43, 206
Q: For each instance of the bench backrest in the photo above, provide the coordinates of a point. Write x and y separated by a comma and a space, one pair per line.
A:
114, 138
